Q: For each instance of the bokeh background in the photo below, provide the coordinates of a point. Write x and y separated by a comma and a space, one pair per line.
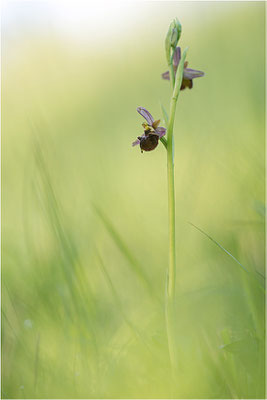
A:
84, 215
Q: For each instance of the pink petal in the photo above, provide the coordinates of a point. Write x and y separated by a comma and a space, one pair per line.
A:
176, 56
192, 73
136, 143
160, 131
145, 114
166, 75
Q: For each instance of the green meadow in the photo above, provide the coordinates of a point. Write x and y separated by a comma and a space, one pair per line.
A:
85, 214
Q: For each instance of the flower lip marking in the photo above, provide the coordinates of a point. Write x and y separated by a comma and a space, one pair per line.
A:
152, 131
189, 74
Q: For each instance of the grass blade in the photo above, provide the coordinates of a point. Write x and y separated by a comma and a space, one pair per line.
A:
229, 254
117, 301
133, 262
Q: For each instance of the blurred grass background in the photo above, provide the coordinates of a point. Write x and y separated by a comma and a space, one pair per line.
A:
84, 215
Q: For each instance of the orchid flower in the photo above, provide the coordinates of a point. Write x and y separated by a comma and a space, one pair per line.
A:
188, 75
152, 131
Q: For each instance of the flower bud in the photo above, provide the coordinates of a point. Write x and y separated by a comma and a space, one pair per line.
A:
172, 37
176, 33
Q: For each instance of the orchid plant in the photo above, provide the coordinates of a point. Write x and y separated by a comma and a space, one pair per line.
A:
181, 77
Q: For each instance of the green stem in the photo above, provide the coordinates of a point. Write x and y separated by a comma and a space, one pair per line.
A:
170, 292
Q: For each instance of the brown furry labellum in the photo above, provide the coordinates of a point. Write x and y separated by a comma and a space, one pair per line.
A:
152, 132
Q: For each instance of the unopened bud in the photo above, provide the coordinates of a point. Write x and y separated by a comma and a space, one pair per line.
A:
172, 37
176, 33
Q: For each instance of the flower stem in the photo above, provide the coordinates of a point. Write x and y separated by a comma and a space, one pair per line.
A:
171, 273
